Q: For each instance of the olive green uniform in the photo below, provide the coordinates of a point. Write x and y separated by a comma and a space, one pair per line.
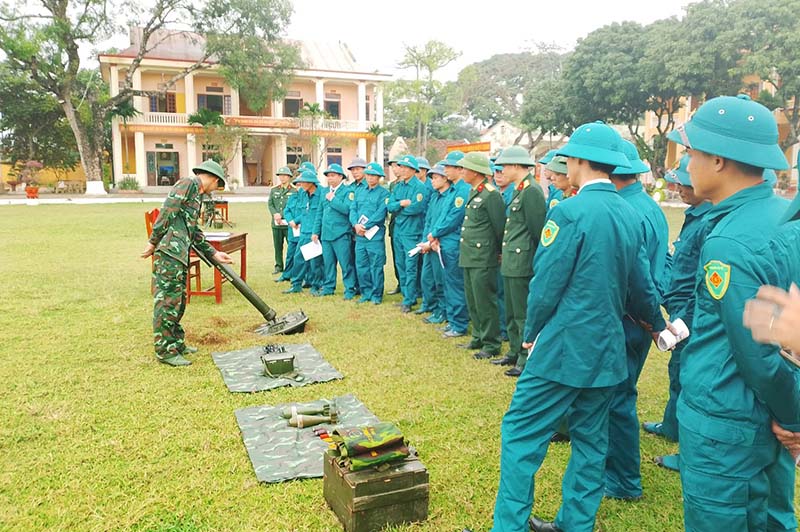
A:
277, 202
524, 223
479, 250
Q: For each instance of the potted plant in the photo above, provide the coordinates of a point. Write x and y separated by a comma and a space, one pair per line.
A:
30, 176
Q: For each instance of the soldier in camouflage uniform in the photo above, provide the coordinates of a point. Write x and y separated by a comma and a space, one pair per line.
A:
175, 230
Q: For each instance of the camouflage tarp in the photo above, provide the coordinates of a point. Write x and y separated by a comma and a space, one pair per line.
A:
243, 371
279, 452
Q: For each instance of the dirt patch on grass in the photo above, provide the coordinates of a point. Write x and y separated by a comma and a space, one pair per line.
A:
211, 338
216, 321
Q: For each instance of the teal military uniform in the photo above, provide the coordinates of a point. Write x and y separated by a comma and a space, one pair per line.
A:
278, 196
734, 473
623, 467
679, 297
332, 227
432, 284
175, 230
432, 298
290, 212
307, 272
569, 315
449, 217
369, 206
409, 222
480, 247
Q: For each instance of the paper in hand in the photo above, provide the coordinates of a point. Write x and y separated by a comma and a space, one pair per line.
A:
296, 231
371, 232
311, 250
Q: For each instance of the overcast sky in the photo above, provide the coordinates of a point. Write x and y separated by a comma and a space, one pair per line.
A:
376, 30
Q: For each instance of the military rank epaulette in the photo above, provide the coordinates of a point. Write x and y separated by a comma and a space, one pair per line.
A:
480, 188
489, 187
523, 184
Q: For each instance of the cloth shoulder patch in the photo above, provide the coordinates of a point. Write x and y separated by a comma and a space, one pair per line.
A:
490, 187
549, 233
553, 203
351, 196
419, 197
718, 278
459, 202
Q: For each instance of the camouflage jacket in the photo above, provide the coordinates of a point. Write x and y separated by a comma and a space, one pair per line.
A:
177, 226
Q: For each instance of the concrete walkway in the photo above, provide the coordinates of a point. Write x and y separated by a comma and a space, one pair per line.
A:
83, 199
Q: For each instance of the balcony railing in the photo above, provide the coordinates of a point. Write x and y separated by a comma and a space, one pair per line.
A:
307, 124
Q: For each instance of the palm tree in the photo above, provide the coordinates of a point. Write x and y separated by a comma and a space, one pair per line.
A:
375, 130
125, 111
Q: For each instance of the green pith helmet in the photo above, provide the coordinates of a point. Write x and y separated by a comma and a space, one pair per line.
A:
409, 161
558, 165
423, 163
476, 162
438, 170
374, 168
307, 176
452, 158
212, 167
548, 157
680, 174
596, 142
284, 170
736, 128
637, 165
515, 155
307, 165
334, 169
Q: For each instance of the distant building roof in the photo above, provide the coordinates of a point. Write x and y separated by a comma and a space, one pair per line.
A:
177, 45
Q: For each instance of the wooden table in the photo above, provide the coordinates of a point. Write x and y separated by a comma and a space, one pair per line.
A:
228, 244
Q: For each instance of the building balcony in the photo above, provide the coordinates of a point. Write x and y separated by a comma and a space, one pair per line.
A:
321, 126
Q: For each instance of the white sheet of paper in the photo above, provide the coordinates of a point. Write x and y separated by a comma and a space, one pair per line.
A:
217, 234
296, 231
441, 260
284, 222
311, 250
362, 220
414, 251
371, 232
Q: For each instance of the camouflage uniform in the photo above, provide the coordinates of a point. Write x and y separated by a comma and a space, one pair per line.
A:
175, 230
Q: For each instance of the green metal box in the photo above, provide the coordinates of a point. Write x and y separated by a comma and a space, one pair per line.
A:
369, 500
277, 364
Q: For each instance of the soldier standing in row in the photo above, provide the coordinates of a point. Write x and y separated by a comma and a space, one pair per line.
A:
367, 211
560, 378
734, 473
174, 232
277, 202
481, 236
523, 228
306, 271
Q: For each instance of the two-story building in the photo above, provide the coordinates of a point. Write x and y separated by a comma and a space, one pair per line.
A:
158, 146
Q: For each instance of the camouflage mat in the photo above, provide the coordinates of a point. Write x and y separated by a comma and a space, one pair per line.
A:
279, 452
242, 370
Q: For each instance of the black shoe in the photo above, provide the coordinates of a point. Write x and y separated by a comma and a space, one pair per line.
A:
559, 438
537, 525
395, 291
405, 309
277, 270
482, 355
505, 361
513, 372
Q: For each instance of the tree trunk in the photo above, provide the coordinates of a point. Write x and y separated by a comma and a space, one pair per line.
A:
91, 155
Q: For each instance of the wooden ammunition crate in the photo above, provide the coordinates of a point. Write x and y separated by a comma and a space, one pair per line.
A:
369, 500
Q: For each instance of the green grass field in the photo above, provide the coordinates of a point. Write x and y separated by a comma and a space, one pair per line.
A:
96, 435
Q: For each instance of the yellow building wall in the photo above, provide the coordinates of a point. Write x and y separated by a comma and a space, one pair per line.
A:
48, 176
129, 162
180, 102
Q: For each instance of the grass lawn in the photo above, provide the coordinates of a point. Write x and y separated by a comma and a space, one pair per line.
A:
96, 435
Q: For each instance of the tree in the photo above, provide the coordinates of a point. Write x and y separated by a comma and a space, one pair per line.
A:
494, 89
44, 40
426, 60
219, 139
314, 113
33, 124
544, 111
769, 39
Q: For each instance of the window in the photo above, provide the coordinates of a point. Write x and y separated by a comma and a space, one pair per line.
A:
332, 108
334, 156
227, 106
291, 107
212, 102
294, 155
366, 114
214, 89
163, 103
